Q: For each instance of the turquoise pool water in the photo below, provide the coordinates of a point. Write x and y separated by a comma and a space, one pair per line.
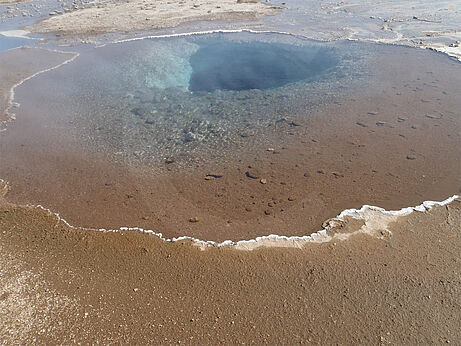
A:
154, 98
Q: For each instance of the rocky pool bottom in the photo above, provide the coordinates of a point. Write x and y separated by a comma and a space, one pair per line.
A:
383, 129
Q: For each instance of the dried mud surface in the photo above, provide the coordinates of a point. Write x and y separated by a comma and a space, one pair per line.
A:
113, 16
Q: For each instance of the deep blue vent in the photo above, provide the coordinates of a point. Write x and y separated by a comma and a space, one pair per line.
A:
256, 65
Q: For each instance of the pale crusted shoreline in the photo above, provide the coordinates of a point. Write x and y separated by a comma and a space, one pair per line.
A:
401, 288
134, 15
372, 220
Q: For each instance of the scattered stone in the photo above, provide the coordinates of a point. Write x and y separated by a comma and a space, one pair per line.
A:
321, 171
287, 121
214, 175
190, 137
246, 134
270, 149
338, 175
291, 199
247, 1
267, 212
135, 289
253, 173
307, 175
194, 219
380, 123
333, 223
413, 127
401, 120
432, 116
411, 157
263, 181
361, 124
138, 111
372, 113
170, 159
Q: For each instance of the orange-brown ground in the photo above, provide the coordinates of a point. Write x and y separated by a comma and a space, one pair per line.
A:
393, 145
60, 285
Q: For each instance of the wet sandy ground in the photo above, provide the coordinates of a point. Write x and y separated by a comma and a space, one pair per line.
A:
60, 285
19, 64
394, 145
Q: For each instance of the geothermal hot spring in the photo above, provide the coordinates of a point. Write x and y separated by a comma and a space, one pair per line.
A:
245, 134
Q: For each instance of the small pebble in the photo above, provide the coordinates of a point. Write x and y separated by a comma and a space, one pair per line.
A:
170, 159
252, 173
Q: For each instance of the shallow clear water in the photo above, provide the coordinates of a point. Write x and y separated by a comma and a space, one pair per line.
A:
12, 42
117, 136
153, 98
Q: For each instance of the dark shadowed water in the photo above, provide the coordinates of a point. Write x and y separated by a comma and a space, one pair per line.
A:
258, 65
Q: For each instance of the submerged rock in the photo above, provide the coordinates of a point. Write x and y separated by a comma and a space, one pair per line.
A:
253, 173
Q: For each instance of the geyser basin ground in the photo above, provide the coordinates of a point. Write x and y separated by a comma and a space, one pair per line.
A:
199, 136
